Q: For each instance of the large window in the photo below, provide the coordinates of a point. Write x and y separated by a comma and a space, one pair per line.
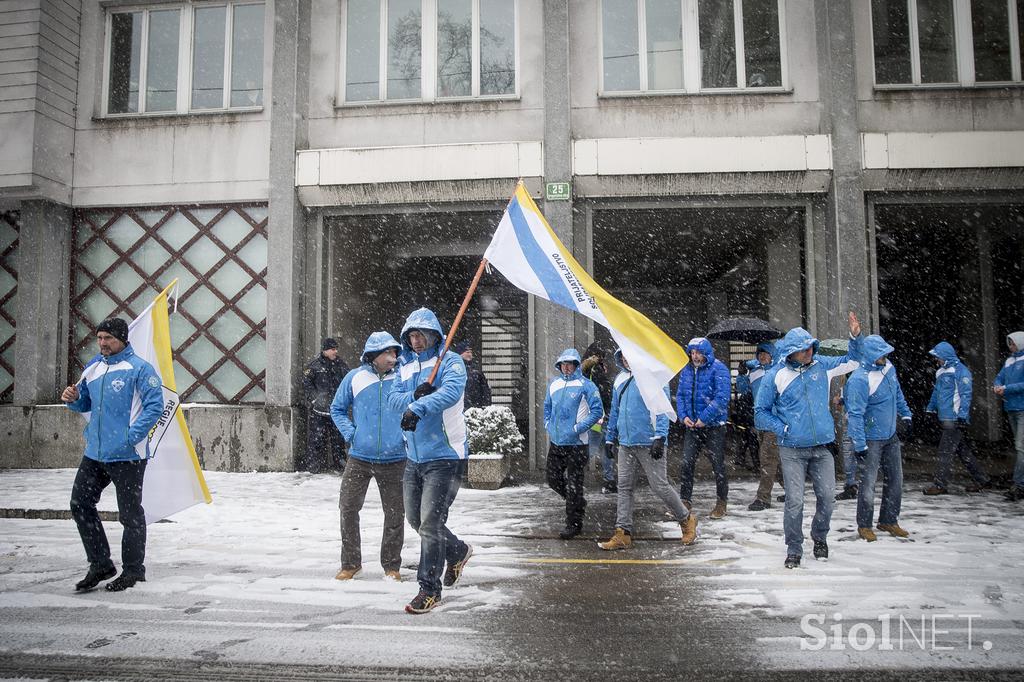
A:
425, 50
691, 45
177, 59
947, 42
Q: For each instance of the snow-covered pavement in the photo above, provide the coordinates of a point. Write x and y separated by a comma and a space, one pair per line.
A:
249, 579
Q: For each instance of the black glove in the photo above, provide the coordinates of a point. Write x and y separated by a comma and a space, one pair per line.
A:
423, 389
657, 448
611, 450
409, 420
904, 429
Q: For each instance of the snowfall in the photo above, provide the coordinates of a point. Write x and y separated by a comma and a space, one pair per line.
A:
250, 578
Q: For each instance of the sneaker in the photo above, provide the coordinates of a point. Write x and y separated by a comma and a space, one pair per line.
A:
792, 561
849, 493
609, 488
620, 540
935, 490
780, 498
689, 527
720, 509
348, 573
393, 575
821, 550
123, 582
758, 505
422, 603
454, 571
569, 532
93, 578
867, 534
893, 529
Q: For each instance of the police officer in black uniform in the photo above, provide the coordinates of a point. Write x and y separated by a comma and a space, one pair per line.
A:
320, 380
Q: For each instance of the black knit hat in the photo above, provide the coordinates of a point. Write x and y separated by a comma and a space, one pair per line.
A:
328, 344
116, 327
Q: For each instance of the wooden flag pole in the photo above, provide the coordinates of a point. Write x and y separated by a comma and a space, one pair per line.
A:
458, 318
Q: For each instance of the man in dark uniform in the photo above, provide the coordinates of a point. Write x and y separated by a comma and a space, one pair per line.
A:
320, 381
478, 391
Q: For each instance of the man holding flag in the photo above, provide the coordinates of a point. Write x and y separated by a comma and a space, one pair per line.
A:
122, 392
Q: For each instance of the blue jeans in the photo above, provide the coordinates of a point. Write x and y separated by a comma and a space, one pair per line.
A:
429, 488
595, 448
797, 465
849, 461
887, 454
1017, 427
713, 439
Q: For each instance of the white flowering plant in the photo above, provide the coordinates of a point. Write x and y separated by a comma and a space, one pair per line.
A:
493, 430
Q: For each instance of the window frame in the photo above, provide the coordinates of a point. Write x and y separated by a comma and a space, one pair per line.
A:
186, 44
428, 59
963, 45
692, 65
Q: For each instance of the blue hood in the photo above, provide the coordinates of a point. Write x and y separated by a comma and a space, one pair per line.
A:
618, 360
704, 346
377, 342
769, 348
421, 318
569, 355
944, 351
795, 340
874, 347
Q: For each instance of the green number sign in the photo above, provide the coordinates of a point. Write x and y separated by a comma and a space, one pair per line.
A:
557, 191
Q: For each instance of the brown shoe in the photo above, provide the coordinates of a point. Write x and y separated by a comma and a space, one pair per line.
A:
392, 575
935, 490
689, 527
893, 529
719, 510
348, 573
867, 534
620, 540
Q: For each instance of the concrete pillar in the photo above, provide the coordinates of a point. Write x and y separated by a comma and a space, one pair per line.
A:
846, 213
785, 299
40, 347
989, 423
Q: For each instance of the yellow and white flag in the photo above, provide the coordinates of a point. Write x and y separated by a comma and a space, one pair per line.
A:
174, 481
528, 253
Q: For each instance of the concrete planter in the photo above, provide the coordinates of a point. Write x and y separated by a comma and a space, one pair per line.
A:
488, 471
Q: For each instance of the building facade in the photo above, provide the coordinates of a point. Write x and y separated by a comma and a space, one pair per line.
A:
309, 168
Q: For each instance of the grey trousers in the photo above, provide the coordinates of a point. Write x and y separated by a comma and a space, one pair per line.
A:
353, 491
631, 458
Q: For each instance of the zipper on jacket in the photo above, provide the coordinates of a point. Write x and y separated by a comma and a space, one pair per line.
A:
99, 422
810, 406
557, 412
380, 412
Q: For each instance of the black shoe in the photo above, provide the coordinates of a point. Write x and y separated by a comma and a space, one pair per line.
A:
123, 582
780, 498
454, 571
569, 532
849, 493
821, 550
1014, 494
792, 561
978, 487
609, 488
758, 505
422, 603
93, 578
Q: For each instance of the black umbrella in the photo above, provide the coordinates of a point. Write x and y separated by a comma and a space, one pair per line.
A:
746, 329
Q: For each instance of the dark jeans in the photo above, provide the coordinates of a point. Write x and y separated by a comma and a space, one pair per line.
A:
127, 478
354, 483
567, 467
430, 488
885, 454
712, 440
955, 442
324, 446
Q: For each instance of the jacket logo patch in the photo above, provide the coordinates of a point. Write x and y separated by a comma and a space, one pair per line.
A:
117, 385
965, 381
154, 382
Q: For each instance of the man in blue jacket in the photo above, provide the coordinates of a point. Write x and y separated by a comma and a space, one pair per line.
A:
792, 402
768, 447
572, 405
702, 404
122, 396
1009, 385
877, 419
638, 440
373, 433
436, 447
951, 403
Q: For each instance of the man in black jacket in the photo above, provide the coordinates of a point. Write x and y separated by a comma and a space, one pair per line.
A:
320, 381
478, 391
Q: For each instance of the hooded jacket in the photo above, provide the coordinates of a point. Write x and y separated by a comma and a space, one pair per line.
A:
792, 400
441, 432
124, 398
374, 431
320, 381
1011, 376
954, 386
873, 397
572, 404
751, 381
630, 422
703, 393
